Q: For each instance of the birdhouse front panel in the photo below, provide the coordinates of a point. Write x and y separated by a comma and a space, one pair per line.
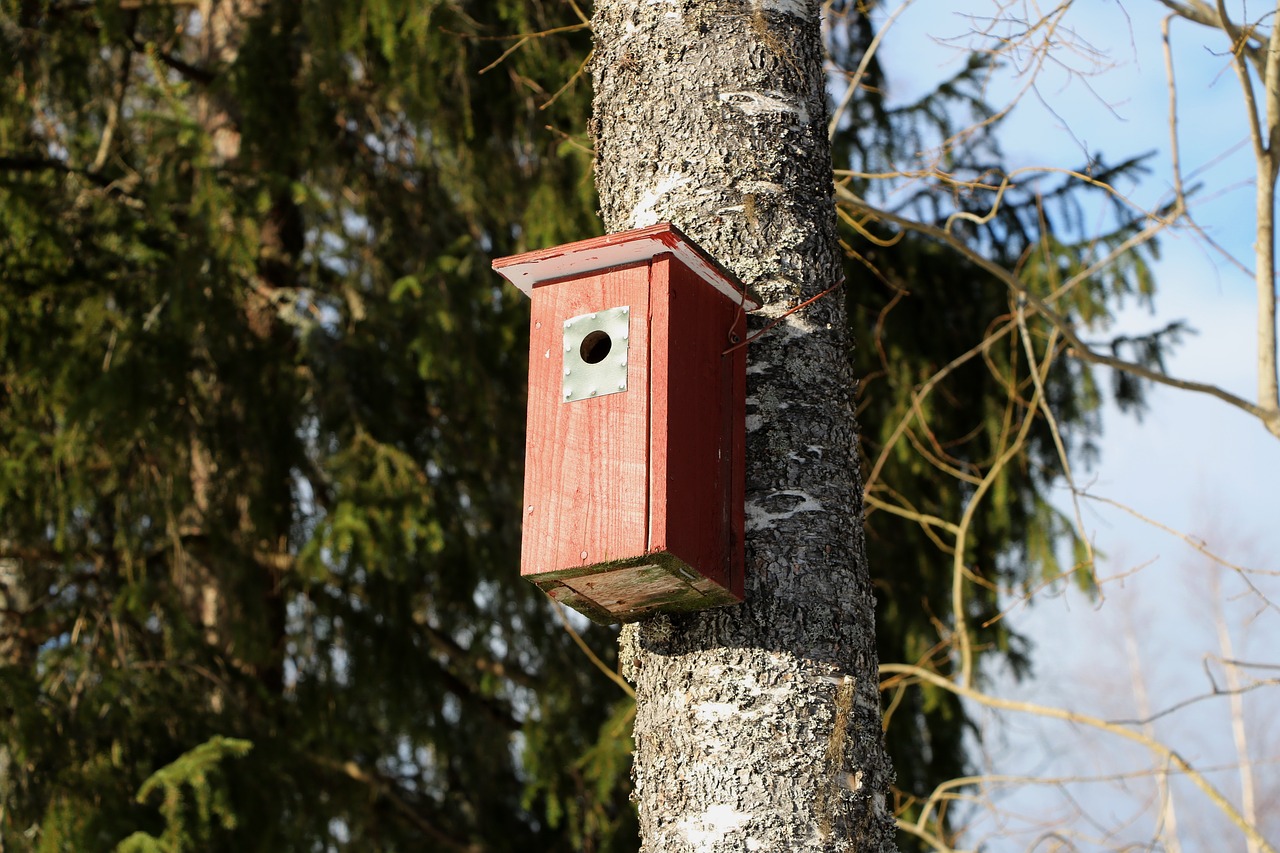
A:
634, 458
586, 460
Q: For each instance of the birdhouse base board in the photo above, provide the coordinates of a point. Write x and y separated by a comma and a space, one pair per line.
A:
628, 591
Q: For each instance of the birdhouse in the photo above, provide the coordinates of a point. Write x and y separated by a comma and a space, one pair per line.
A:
633, 491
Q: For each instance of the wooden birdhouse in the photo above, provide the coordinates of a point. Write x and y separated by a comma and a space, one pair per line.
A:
633, 491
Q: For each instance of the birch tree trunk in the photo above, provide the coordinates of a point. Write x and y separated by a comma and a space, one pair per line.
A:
758, 726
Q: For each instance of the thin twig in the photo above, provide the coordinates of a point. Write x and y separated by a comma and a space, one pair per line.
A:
1195, 543
582, 69
958, 569
1269, 417
1052, 421
525, 38
917, 399
592, 656
856, 80
1151, 744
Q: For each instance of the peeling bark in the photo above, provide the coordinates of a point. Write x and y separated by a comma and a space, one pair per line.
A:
758, 726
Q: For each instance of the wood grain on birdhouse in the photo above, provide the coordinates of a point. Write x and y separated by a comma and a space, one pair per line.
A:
634, 457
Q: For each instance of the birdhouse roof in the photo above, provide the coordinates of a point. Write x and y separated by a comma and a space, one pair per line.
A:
530, 269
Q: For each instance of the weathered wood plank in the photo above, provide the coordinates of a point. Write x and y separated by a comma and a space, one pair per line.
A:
696, 501
586, 462
527, 271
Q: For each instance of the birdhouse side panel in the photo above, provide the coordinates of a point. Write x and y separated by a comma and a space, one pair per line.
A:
586, 451
697, 413
736, 461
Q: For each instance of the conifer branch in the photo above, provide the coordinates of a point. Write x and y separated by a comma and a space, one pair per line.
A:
193, 73
491, 706
395, 795
450, 647
51, 164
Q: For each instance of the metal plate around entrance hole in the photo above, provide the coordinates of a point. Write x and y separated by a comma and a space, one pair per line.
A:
595, 353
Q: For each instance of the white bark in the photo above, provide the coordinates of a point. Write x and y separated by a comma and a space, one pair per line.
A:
1266, 133
758, 726
1239, 732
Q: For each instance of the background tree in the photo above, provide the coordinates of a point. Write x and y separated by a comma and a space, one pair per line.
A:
260, 432
945, 381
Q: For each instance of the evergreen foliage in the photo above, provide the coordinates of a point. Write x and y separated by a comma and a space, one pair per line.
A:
261, 431
191, 770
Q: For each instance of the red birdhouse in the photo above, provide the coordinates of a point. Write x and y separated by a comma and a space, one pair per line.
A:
633, 490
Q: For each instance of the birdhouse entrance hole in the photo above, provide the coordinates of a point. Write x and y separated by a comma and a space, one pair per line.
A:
595, 347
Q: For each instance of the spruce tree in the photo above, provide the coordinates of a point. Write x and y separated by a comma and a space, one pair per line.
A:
260, 431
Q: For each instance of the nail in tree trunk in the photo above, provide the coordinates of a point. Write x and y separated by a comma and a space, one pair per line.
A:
758, 726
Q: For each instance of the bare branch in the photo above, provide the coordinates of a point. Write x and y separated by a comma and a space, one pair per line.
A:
917, 399
1053, 423
1235, 694
1269, 417
855, 82
1216, 693
1158, 748
1200, 12
525, 38
958, 570
912, 515
50, 164
1190, 540
1268, 167
1174, 150
592, 656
